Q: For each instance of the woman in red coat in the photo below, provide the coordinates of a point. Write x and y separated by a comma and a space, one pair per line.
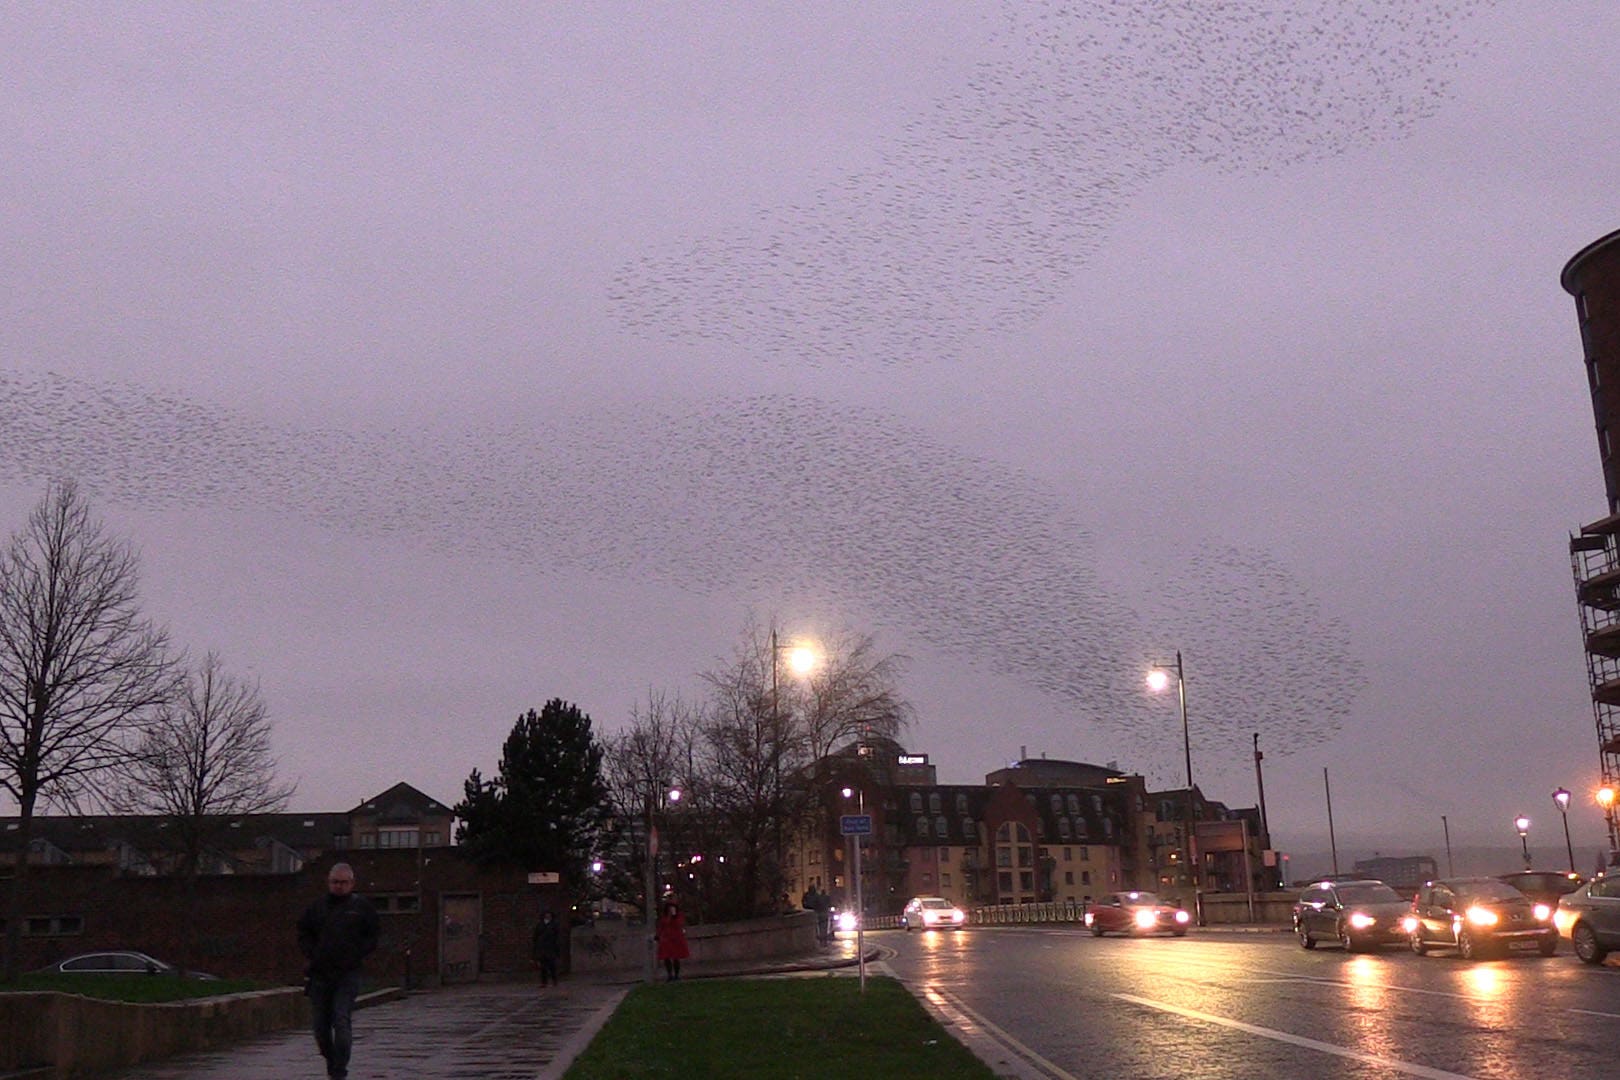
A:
672, 948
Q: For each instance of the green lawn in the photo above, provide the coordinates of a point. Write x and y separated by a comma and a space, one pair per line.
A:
133, 987
775, 1029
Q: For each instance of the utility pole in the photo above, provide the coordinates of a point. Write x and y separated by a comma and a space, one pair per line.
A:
1260, 784
1332, 840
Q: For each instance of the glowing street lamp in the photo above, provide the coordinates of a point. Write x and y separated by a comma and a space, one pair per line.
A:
1158, 680
1605, 799
1561, 797
1522, 823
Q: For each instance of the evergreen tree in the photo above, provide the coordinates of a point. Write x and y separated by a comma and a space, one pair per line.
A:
548, 803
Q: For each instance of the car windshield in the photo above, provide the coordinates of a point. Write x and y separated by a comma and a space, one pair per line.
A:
1487, 890
1369, 894
1140, 898
934, 902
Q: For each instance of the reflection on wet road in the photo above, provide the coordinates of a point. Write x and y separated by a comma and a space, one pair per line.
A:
1246, 1006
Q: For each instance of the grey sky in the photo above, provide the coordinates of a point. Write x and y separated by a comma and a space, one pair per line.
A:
443, 360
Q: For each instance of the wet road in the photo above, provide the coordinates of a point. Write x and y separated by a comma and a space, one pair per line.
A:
1239, 1007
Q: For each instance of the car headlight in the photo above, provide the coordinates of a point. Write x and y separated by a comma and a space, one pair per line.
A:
846, 920
1409, 923
1543, 912
1183, 917
1361, 920
1144, 917
1479, 916
1090, 918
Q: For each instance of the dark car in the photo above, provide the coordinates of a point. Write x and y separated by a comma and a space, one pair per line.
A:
1135, 913
1545, 886
116, 962
1356, 914
1479, 917
1590, 918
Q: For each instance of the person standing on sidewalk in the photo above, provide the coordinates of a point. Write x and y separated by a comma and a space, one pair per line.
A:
672, 947
547, 947
336, 933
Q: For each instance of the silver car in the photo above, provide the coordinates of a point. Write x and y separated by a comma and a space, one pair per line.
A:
1590, 918
116, 962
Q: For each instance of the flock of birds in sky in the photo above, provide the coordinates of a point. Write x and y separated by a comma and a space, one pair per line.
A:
981, 209
985, 206
797, 504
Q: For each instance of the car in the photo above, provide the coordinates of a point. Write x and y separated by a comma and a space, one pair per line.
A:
1590, 918
1135, 913
1545, 886
845, 921
116, 962
931, 913
1479, 917
1357, 915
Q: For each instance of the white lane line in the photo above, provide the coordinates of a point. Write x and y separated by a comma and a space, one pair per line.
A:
1593, 1012
1297, 1040
965, 1018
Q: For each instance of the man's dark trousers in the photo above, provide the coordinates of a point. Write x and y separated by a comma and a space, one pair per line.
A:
332, 1005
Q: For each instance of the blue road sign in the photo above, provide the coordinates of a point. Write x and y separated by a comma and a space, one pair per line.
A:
856, 824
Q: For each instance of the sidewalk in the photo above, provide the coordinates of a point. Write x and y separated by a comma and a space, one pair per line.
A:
493, 1031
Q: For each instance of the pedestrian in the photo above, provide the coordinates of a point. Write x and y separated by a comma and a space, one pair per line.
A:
336, 933
672, 947
823, 910
547, 947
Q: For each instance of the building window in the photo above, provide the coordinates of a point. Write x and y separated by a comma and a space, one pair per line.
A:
368, 840
1074, 804
916, 802
399, 838
944, 852
1057, 804
922, 827
1026, 881
396, 903
961, 804
1068, 877
1085, 877
52, 925
1063, 827
944, 881
933, 802
969, 833
942, 828
1004, 880
1085, 854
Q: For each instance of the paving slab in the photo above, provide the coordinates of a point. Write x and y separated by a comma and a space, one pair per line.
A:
493, 1031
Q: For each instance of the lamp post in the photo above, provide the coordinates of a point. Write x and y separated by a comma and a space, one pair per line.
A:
650, 883
1605, 799
802, 660
1157, 680
1522, 823
1561, 797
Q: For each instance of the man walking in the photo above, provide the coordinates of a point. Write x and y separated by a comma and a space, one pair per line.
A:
335, 934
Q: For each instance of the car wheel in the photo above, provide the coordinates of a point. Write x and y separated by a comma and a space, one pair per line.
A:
1467, 947
1549, 945
1348, 943
1417, 943
1096, 930
1586, 944
1305, 939
1179, 933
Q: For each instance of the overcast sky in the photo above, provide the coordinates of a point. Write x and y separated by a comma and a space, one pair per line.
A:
444, 359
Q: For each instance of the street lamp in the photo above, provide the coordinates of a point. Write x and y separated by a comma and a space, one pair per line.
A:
1561, 797
1522, 823
1605, 799
1158, 679
803, 659
650, 882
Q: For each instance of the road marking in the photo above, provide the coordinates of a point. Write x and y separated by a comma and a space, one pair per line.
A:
966, 1020
1298, 1040
1592, 1012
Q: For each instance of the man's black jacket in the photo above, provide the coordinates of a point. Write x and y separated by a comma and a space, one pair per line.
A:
336, 933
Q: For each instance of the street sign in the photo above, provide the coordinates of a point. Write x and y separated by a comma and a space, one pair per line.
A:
855, 824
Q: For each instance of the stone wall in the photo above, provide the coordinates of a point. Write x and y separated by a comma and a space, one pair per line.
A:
620, 946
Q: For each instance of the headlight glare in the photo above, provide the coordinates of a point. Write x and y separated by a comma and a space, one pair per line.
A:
1144, 918
1361, 920
1543, 912
1183, 917
1479, 916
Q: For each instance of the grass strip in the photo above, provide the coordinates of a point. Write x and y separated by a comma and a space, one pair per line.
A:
775, 1029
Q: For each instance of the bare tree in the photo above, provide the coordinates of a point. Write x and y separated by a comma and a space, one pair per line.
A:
81, 672
204, 760
652, 755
